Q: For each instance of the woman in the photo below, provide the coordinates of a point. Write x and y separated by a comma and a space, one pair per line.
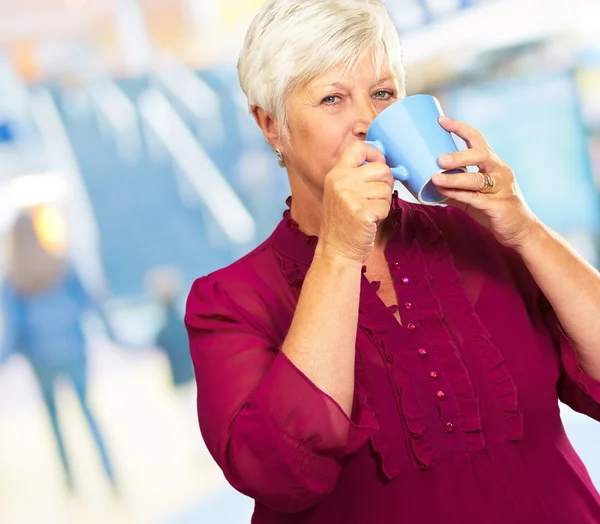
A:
377, 361
42, 307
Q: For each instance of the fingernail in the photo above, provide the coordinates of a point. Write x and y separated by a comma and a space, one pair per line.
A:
446, 159
444, 118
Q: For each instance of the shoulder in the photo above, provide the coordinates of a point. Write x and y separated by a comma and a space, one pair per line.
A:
470, 243
473, 245
237, 289
240, 273
454, 222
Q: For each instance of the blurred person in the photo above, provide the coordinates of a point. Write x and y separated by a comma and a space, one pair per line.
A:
165, 285
43, 303
379, 361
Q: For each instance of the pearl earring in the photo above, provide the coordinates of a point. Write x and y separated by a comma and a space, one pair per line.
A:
280, 158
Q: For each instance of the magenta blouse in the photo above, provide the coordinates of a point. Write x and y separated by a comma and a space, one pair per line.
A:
455, 417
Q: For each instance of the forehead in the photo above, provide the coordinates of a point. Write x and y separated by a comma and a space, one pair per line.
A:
364, 71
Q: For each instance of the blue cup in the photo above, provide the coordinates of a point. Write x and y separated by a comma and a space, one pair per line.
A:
411, 139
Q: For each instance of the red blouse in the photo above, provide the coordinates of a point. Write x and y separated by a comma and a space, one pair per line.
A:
455, 418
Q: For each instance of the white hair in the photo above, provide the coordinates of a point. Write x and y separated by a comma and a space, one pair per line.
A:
291, 42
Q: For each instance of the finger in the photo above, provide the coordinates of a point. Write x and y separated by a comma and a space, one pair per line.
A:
473, 199
455, 203
377, 172
462, 181
484, 159
357, 153
378, 210
377, 190
473, 138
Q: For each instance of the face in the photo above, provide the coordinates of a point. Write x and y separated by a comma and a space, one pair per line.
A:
326, 115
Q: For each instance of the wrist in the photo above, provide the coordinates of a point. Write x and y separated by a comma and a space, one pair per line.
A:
335, 259
531, 242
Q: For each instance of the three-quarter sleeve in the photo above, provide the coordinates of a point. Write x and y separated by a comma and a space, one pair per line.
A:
576, 388
276, 436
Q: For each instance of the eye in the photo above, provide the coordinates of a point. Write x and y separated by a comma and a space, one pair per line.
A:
383, 95
330, 100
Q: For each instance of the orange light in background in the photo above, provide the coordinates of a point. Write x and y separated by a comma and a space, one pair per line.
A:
25, 61
166, 24
51, 228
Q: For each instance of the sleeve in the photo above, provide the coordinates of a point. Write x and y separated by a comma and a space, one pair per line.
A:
576, 388
276, 436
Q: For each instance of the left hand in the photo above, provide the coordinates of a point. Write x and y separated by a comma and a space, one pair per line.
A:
502, 208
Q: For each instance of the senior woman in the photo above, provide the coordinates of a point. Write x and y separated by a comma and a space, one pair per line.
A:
378, 361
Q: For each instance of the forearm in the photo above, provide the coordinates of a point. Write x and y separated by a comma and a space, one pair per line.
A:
322, 338
572, 286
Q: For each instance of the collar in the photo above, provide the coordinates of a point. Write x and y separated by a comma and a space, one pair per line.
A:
297, 249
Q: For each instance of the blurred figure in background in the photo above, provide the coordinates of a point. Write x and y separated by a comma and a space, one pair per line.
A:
165, 285
44, 302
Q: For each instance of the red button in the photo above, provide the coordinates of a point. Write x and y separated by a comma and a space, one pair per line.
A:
397, 266
433, 375
408, 306
411, 327
405, 281
390, 359
448, 427
422, 352
376, 284
441, 395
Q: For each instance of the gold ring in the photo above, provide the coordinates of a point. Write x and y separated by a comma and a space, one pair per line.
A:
488, 185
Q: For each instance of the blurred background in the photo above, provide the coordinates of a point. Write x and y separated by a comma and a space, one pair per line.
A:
129, 166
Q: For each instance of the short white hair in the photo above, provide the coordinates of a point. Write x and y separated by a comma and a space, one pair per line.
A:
291, 42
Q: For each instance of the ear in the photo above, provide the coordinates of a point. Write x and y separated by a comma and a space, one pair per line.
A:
269, 126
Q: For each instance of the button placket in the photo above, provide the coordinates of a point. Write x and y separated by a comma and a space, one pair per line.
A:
411, 327
409, 305
438, 387
437, 383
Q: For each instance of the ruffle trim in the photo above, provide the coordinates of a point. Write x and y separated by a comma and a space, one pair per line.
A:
363, 414
420, 447
293, 226
304, 245
448, 278
294, 269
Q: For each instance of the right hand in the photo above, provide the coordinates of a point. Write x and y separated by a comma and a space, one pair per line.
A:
356, 198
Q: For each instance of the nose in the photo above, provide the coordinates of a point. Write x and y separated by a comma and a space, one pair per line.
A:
365, 114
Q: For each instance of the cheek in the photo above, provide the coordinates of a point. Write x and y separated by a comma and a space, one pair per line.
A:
326, 142
318, 142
